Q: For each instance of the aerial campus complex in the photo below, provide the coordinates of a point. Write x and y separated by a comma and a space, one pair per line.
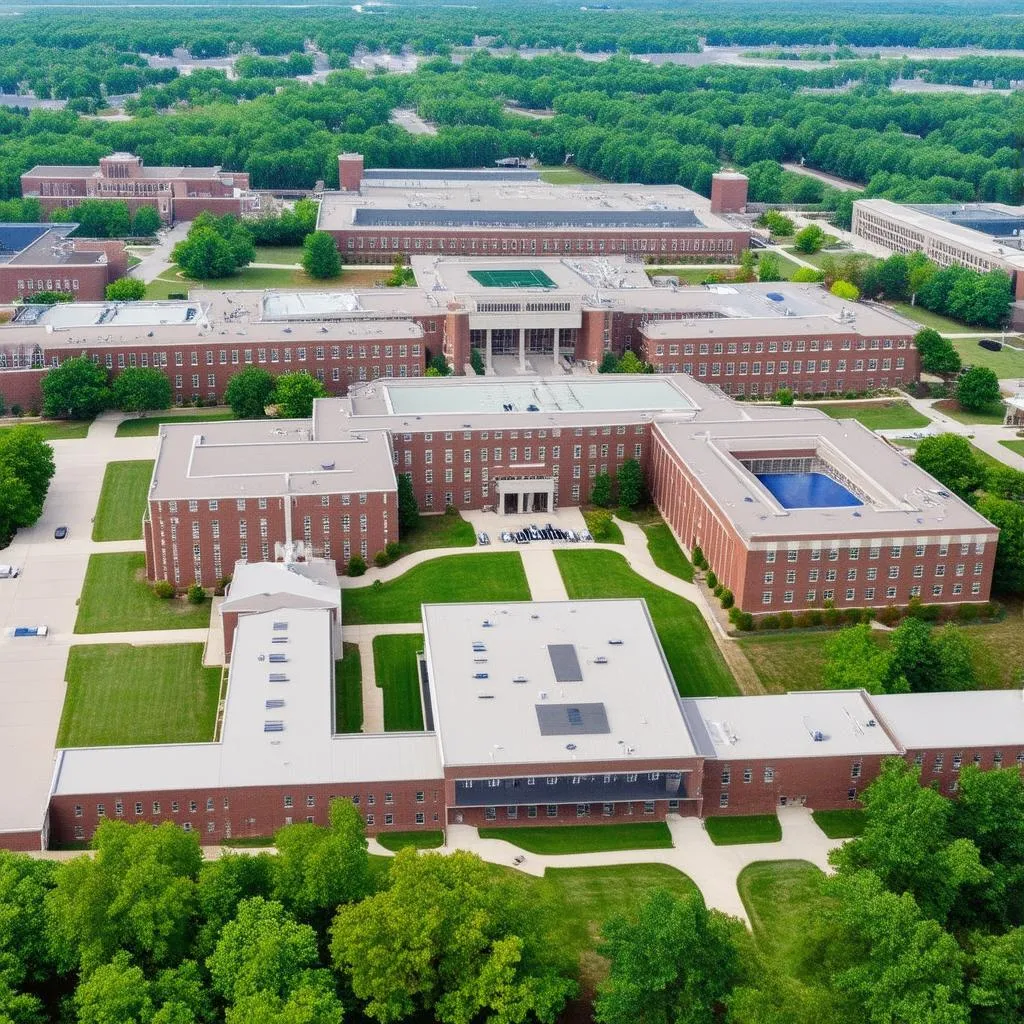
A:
541, 711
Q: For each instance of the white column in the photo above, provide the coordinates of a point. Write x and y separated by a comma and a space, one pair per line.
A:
522, 350
556, 331
487, 360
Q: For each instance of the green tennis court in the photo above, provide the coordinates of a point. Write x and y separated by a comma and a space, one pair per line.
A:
512, 278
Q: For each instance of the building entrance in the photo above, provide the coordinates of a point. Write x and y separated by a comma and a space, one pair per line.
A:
523, 496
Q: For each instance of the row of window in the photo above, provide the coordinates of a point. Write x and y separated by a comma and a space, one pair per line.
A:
768, 773
875, 551
552, 780
960, 569
582, 810
813, 366
409, 243
732, 348
850, 594
957, 760
240, 503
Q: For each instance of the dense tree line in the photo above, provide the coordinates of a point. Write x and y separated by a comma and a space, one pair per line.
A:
26, 468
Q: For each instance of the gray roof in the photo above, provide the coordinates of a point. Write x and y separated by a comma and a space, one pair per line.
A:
800, 724
483, 218
504, 704
959, 721
411, 175
266, 586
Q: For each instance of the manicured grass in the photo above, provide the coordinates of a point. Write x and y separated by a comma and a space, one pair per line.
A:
888, 415
951, 407
566, 175
417, 840
348, 691
149, 426
1015, 446
445, 531
926, 318
610, 534
122, 500
115, 597
118, 694
248, 277
55, 430
397, 671
1007, 362
776, 895
667, 553
278, 254
693, 657
558, 839
840, 824
748, 828
496, 576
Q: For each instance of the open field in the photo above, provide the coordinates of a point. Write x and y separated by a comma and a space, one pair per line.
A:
278, 254
394, 660
122, 500
116, 597
887, 415
666, 552
558, 839
418, 840
795, 660
749, 828
348, 691
169, 282
119, 694
840, 824
693, 657
55, 430
951, 407
449, 530
776, 895
149, 426
490, 577
1006, 363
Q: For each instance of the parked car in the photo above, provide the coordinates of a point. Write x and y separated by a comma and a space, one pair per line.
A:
27, 631
586, 535
483, 538
9, 572
60, 533
506, 537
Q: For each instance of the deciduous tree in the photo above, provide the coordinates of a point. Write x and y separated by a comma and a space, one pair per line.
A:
141, 389
853, 660
125, 289
320, 255
249, 392
408, 506
1008, 572
601, 492
630, 481
937, 353
294, 394
951, 460
977, 389
77, 390
809, 239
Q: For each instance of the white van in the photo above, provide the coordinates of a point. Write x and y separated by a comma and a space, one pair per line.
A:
9, 572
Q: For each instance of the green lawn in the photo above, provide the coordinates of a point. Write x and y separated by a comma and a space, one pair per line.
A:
449, 530
55, 430
119, 694
942, 324
840, 824
612, 533
951, 407
397, 671
558, 839
1015, 446
122, 500
278, 254
495, 576
694, 658
748, 828
429, 840
667, 553
348, 691
562, 175
1007, 362
777, 895
149, 426
115, 597
887, 415
169, 282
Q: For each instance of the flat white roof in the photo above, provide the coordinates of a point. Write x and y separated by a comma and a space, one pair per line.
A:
553, 686
799, 724
963, 720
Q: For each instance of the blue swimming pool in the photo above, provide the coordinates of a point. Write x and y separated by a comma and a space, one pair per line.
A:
807, 490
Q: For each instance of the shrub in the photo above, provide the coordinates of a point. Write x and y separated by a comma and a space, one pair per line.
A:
393, 549
967, 613
726, 598
745, 622
380, 559
845, 290
221, 586
196, 594
697, 556
784, 396
16, 410
163, 589
734, 613
991, 610
718, 590
768, 622
356, 566
888, 615
786, 620
711, 580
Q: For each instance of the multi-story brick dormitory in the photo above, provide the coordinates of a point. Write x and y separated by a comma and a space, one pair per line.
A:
534, 713
544, 315
791, 508
508, 212
42, 258
176, 193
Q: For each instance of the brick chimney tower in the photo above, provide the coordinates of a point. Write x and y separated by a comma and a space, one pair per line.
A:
729, 192
350, 171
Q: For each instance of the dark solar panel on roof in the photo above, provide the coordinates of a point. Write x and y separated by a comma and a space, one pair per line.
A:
572, 719
565, 663
15, 237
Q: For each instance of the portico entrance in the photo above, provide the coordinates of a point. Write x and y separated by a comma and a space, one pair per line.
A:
521, 496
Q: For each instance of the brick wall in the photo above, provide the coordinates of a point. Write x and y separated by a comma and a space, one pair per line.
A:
21, 842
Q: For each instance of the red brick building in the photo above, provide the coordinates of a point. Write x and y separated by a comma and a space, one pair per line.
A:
176, 193
42, 258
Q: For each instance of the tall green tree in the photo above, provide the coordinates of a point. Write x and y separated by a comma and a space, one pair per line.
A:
951, 460
631, 363
853, 660
809, 239
141, 389
1008, 571
320, 257
125, 289
25, 454
249, 392
145, 222
769, 267
408, 506
294, 394
222, 886
977, 389
630, 481
448, 940
675, 963
77, 390
937, 353
601, 492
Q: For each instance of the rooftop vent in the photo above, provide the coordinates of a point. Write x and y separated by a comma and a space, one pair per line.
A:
519, 679
277, 656
480, 675
485, 696
616, 642
276, 702
277, 677
279, 640
478, 646
273, 726
487, 623
280, 625
601, 660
